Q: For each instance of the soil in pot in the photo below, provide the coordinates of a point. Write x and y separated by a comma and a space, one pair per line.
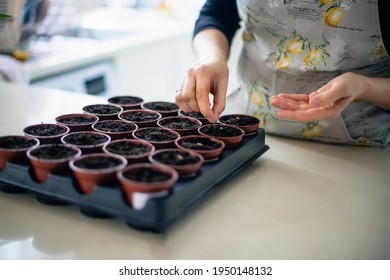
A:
46, 133
96, 169
87, 141
142, 117
51, 158
146, 178
13, 148
229, 134
77, 122
185, 162
135, 151
126, 101
195, 115
247, 123
160, 137
166, 109
116, 129
104, 111
182, 125
209, 148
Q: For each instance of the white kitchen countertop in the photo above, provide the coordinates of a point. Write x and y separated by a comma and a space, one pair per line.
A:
300, 200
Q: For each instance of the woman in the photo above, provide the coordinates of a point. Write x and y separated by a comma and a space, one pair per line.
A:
308, 69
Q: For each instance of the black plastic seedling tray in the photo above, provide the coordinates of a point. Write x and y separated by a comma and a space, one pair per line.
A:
158, 213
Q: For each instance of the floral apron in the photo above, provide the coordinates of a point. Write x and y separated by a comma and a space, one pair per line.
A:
297, 46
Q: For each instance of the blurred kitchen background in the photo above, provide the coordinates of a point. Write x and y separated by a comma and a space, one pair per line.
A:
99, 47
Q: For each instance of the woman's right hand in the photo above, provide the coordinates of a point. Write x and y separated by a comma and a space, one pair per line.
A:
201, 81
209, 77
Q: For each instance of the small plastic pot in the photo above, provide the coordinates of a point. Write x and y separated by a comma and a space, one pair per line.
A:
96, 169
87, 141
13, 148
51, 158
146, 178
182, 125
160, 138
77, 122
127, 102
208, 147
229, 134
185, 162
249, 124
141, 117
195, 115
135, 151
46, 133
104, 111
166, 109
116, 129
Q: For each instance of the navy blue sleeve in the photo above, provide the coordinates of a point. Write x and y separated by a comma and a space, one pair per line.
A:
219, 14
385, 23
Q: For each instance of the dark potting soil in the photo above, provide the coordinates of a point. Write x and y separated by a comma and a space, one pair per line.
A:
239, 120
85, 139
179, 123
102, 109
76, 120
53, 152
46, 130
16, 143
115, 126
122, 100
200, 143
195, 115
155, 135
98, 162
161, 106
219, 130
176, 158
141, 116
146, 175
127, 149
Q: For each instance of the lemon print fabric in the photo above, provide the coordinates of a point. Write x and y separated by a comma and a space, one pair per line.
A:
300, 50
334, 10
310, 131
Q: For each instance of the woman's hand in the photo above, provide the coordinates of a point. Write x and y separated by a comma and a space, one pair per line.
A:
200, 81
328, 101
210, 76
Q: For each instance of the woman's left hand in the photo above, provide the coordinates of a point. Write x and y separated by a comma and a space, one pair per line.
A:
324, 104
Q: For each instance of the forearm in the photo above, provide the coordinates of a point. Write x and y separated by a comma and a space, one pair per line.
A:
211, 45
377, 91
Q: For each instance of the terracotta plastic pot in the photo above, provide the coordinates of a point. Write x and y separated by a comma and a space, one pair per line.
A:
116, 129
141, 117
249, 124
182, 125
77, 122
46, 133
185, 162
13, 148
135, 151
96, 169
160, 138
195, 115
127, 102
51, 158
87, 141
166, 109
229, 134
146, 178
104, 111
208, 147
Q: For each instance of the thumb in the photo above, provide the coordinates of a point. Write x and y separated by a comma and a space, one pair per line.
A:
325, 96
